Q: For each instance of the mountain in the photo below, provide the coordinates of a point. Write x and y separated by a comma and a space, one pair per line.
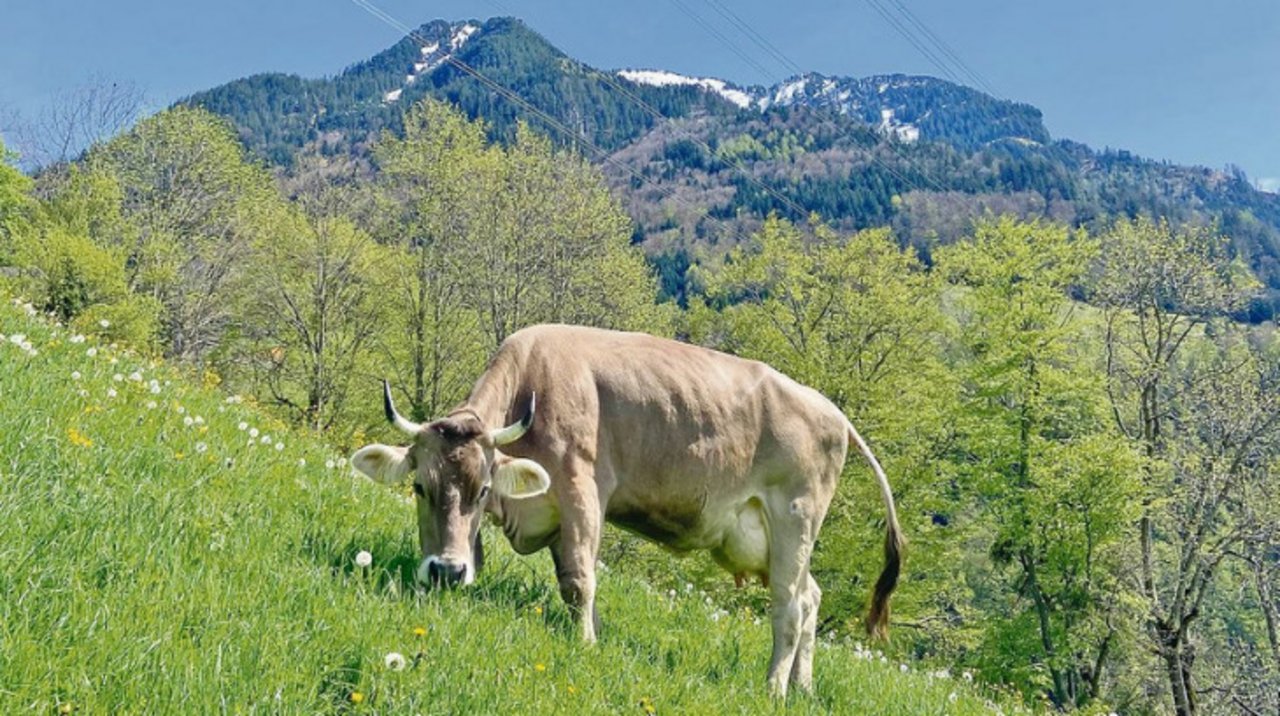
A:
699, 161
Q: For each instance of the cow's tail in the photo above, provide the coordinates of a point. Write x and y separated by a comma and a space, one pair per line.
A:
878, 617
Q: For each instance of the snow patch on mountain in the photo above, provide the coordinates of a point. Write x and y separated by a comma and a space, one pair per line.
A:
461, 35
662, 78
432, 57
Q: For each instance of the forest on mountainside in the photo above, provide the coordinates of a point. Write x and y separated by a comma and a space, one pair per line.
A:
679, 158
1081, 439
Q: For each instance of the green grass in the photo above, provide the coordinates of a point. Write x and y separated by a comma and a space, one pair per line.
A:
149, 566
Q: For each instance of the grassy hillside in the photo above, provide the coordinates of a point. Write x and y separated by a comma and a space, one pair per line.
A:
164, 549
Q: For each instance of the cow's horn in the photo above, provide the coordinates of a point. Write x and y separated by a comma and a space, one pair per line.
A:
397, 419
512, 432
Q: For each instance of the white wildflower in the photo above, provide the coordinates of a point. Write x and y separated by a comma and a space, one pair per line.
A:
77, 338
104, 323
302, 462
952, 697
904, 668
111, 393
151, 405
395, 661
363, 559
93, 351
201, 447
155, 389
243, 426
17, 339
329, 463
266, 439
188, 421
253, 432
135, 377
75, 375
117, 377
279, 447
967, 676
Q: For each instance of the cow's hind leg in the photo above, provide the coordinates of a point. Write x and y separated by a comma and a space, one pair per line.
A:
790, 544
802, 667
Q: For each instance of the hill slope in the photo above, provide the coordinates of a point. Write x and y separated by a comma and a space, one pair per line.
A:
168, 550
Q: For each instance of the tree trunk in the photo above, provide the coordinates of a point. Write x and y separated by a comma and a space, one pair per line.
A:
1178, 670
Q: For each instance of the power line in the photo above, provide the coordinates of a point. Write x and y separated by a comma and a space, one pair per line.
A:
652, 111
762, 42
911, 38
557, 125
945, 48
768, 47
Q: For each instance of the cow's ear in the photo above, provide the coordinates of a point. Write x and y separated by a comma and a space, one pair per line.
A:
382, 463
520, 479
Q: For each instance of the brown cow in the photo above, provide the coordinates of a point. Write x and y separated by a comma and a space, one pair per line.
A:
689, 447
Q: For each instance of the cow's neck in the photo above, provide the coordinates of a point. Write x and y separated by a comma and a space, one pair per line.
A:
493, 397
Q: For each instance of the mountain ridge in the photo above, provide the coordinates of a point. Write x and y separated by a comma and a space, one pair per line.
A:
921, 154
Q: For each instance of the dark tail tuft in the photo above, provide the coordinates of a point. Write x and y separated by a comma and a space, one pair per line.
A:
878, 617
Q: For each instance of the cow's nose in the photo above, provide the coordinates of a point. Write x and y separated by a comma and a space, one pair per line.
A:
445, 573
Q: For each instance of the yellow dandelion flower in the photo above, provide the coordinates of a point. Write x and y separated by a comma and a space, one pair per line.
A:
572, 689
78, 438
356, 697
537, 610
178, 456
419, 631
539, 667
66, 708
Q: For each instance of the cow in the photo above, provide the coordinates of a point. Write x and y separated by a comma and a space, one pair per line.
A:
570, 427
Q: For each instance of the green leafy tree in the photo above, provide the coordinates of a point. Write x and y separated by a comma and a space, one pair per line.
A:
1162, 291
197, 207
1053, 478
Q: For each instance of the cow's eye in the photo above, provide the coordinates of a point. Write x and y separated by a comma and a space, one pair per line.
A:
417, 490
484, 491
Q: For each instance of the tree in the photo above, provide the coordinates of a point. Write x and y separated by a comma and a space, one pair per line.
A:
317, 305
197, 207
93, 112
498, 238
15, 203
1054, 479
1161, 290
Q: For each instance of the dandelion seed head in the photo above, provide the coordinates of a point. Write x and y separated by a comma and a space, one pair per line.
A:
75, 375
111, 393
363, 559
253, 432
395, 661
104, 323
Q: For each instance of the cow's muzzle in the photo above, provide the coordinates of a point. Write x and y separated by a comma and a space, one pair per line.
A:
437, 572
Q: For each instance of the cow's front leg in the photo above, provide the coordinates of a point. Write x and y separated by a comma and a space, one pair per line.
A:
575, 558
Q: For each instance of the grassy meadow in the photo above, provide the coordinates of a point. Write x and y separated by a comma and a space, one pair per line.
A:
165, 548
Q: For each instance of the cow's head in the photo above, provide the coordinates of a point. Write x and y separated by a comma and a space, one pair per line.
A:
457, 473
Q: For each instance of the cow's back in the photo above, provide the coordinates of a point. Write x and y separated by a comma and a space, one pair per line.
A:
674, 430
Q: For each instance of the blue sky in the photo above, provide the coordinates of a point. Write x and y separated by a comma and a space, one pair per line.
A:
1194, 83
